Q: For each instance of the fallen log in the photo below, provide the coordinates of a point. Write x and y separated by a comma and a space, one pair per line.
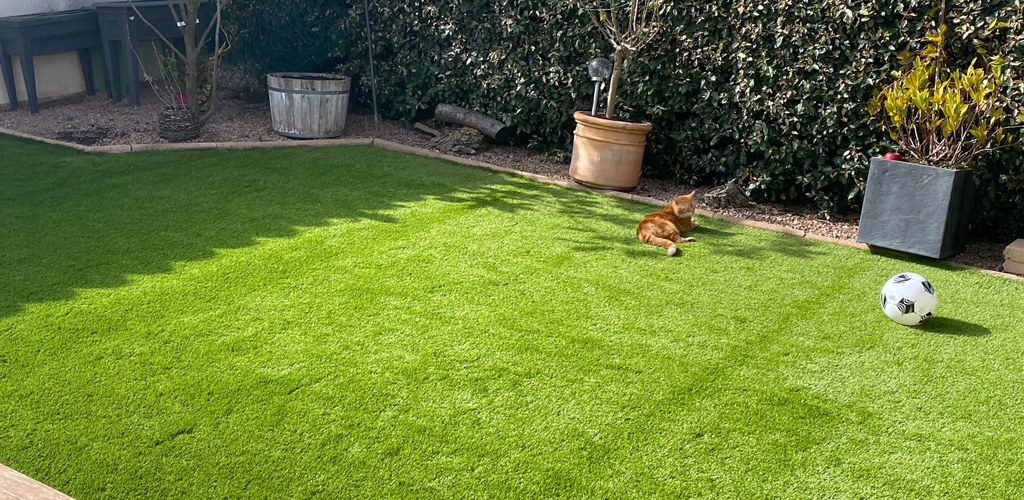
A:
490, 127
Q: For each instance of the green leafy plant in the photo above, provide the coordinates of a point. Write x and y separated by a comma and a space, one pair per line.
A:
941, 116
285, 35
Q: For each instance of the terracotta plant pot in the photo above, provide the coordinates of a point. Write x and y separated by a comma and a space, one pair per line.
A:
606, 153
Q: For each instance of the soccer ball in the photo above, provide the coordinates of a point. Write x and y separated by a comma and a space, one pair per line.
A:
908, 299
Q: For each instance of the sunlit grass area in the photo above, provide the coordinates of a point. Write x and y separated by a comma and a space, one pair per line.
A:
357, 323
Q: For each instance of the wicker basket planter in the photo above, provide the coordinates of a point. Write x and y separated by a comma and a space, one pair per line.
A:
179, 123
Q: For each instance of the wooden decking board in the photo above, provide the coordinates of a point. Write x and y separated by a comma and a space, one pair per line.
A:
17, 486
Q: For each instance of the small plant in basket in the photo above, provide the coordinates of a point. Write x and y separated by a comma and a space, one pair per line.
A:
192, 74
178, 120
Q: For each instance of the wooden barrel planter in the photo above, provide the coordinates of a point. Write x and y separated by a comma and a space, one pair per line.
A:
308, 105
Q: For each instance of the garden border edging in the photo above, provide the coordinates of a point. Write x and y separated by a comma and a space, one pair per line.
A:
394, 146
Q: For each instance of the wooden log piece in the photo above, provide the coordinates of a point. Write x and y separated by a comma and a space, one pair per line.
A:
490, 127
424, 128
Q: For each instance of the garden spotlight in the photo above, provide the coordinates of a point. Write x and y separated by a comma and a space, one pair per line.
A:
599, 68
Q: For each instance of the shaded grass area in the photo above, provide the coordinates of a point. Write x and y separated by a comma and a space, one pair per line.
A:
354, 322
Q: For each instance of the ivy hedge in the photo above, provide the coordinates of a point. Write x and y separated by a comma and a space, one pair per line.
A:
772, 93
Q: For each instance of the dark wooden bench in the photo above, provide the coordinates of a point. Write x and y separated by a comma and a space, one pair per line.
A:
50, 33
120, 24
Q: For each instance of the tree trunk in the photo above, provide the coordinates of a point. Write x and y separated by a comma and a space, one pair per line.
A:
186, 12
191, 52
613, 84
212, 102
494, 129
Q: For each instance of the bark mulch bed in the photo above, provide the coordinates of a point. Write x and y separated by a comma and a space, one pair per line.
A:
96, 121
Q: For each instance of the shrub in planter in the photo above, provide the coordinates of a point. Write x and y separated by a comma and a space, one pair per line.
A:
188, 77
607, 152
941, 118
194, 74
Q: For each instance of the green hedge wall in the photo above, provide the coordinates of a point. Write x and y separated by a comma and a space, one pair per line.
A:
773, 93
285, 35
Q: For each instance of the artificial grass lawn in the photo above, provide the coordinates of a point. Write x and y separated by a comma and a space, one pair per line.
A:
358, 323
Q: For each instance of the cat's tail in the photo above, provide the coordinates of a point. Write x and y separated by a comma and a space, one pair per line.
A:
668, 245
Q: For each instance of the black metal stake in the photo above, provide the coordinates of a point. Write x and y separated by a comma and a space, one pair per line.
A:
373, 76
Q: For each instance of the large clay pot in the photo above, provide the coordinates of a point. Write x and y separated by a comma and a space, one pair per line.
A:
606, 153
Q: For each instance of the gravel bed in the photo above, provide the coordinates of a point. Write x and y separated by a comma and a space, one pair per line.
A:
96, 121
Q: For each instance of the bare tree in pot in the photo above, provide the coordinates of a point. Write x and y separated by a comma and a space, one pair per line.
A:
180, 120
607, 152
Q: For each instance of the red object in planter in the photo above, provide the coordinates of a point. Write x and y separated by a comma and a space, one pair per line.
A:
181, 97
893, 156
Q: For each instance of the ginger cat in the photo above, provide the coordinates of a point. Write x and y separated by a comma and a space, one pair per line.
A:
662, 228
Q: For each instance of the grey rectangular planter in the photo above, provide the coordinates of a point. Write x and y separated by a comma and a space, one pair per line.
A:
916, 209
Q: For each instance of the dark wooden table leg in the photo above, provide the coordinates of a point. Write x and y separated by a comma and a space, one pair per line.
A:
7, 68
85, 57
113, 70
130, 45
28, 71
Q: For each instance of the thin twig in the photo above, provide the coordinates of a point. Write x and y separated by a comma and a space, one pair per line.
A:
162, 37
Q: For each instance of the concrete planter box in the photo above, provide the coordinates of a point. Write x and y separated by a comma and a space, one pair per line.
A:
916, 209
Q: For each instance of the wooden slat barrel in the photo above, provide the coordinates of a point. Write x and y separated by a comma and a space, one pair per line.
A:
308, 105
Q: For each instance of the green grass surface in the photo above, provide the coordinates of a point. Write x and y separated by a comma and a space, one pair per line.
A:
359, 323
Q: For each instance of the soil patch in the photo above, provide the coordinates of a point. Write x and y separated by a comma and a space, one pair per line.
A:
91, 135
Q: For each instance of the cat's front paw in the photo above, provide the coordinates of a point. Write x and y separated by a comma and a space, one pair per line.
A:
671, 250
687, 240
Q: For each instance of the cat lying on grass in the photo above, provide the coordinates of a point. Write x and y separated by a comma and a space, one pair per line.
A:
663, 227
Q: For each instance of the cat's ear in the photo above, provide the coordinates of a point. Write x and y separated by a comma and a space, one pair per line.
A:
692, 193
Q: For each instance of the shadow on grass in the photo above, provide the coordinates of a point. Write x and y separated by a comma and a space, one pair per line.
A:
76, 221
950, 326
756, 248
916, 259
70, 220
